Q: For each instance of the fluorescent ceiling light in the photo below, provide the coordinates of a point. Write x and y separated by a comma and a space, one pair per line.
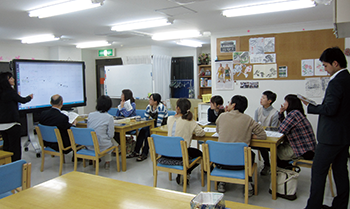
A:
176, 35
189, 43
268, 7
64, 8
93, 44
39, 38
141, 24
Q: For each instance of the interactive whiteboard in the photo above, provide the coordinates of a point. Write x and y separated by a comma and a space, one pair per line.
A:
137, 78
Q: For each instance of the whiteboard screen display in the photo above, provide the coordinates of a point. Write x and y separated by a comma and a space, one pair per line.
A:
137, 78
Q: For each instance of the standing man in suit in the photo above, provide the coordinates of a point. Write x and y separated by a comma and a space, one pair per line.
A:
54, 117
333, 133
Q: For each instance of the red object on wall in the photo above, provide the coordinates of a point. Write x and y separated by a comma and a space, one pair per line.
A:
102, 80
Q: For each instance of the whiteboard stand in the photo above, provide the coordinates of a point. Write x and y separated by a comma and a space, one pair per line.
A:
31, 138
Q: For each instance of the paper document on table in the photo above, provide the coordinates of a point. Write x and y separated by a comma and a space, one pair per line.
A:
71, 115
273, 134
210, 129
203, 122
215, 135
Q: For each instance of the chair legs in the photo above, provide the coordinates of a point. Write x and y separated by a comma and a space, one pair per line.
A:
61, 164
155, 173
42, 161
97, 165
117, 158
170, 177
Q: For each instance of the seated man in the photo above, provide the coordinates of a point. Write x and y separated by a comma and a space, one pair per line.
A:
54, 117
266, 115
235, 126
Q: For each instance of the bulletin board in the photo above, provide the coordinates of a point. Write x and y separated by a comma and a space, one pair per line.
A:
290, 49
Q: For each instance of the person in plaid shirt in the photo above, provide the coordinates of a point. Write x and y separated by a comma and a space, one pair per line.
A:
301, 141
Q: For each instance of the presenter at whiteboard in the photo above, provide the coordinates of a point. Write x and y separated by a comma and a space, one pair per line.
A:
10, 128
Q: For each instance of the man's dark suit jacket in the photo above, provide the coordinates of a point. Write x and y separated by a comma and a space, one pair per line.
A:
53, 117
334, 112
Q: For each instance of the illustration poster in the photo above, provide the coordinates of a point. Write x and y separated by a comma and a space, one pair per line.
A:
269, 44
249, 85
256, 46
283, 71
265, 71
227, 46
240, 57
313, 88
319, 68
224, 76
307, 67
263, 58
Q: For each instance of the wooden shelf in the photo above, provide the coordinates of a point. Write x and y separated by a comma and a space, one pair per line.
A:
204, 89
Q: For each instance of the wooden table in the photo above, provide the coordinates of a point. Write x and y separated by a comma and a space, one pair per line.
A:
5, 157
270, 142
82, 190
122, 129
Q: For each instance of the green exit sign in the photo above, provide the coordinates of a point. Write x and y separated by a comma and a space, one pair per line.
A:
106, 53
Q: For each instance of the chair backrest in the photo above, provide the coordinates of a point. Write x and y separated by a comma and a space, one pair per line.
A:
140, 113
82, 136
226, 153
170, 112
113, 111
48, 133
14, 175
167, 145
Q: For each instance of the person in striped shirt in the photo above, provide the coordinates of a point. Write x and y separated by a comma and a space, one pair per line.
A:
157, 111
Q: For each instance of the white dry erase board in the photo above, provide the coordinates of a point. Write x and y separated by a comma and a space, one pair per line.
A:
137, 78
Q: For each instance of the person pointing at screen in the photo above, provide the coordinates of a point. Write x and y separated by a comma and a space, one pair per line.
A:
10, 127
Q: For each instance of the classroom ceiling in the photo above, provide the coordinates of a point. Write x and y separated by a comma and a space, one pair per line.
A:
95, 24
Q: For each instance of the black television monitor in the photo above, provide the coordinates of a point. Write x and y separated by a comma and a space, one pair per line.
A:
44, 78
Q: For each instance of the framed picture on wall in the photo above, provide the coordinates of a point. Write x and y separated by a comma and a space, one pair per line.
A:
225, 47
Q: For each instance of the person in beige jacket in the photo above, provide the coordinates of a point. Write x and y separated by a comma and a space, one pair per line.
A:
235, 126
183, 125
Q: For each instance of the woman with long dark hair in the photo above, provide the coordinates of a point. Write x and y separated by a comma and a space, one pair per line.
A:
157, 111
10, 128
296, 127
127, 106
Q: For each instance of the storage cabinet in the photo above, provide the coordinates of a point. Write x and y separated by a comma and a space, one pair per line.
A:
204, 75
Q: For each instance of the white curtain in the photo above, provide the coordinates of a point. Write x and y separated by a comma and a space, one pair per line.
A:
133, 60
161, 75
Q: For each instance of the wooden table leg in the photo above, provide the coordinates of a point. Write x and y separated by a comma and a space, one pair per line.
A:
123, 149
273, 159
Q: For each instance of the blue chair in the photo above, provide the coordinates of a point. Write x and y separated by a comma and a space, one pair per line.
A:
50, 134
230, 154
87, 137
113, 111
170, 113
140, 113
171, 147
13, 176
1, 143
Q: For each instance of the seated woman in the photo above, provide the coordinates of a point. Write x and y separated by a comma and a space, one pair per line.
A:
103, 124
183, 125
301, 141
216, 108
155, 110
127, 106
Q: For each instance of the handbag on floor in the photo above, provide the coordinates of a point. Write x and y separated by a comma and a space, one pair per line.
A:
130, 144
287, 183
